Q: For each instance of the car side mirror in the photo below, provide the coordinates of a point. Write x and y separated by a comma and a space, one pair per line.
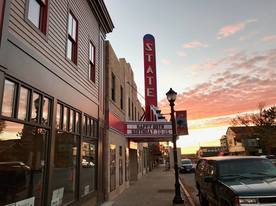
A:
210, 179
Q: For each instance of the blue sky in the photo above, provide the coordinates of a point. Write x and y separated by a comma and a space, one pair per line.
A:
206, 50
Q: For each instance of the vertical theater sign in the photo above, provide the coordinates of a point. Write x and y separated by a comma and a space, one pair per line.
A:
151, 130
150, 74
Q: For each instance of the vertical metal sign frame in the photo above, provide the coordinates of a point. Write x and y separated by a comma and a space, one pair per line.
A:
150, 74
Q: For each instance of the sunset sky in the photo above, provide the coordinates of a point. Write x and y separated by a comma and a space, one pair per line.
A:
218, 55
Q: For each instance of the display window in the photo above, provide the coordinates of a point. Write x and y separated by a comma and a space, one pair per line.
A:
24, 134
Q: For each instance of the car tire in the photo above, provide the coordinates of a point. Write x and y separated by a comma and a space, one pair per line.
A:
202, 200
223, 203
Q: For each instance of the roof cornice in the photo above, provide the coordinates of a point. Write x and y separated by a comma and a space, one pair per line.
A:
100, 10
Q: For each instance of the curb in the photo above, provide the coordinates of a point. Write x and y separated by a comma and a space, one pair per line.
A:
190, 200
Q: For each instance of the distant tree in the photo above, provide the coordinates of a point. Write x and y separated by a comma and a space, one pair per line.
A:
264, 120
265, 117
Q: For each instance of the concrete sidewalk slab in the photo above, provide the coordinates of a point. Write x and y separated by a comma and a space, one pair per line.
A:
154, 189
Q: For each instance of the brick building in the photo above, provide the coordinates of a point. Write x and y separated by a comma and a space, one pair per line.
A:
125, 160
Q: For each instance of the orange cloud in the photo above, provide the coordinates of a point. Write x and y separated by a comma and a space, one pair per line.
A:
231, 29
247, 80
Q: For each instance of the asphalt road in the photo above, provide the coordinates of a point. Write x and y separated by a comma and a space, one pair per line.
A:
188, 180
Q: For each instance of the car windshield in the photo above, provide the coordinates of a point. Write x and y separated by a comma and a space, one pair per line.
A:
247, 168
186, 162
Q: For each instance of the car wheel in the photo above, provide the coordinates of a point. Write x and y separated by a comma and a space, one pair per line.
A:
202, 200
223, 203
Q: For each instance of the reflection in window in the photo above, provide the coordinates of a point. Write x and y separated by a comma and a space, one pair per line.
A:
88, 126
77, 129
23, 103
71, 122
92, 68
7, 105
35, 107
45, 111
72, 38
95, 124
65, 119
84, 125
88, 167
34, 12
58, 123
65, 165
37, 13
22, 153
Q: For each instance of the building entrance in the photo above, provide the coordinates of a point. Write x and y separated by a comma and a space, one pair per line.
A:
133, 164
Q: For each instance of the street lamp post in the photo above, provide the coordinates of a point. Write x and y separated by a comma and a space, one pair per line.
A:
171, 96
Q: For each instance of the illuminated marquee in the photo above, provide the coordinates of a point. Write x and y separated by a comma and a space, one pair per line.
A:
149, 131
150, 74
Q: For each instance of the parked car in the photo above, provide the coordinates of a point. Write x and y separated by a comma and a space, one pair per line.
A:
272, 158
236, 180
186, 166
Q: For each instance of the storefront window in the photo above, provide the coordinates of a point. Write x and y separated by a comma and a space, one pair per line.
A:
66, 156
58, 122
88, 122
71, 121
77, 129
23, 103
35, 107
88, 167
45, 111
65, 119
8, 99
22, 160
65, 164
112, 167
126, 164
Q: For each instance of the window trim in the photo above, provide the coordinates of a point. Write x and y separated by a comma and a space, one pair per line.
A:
113, 87
92, 62
2, 11
43, 16
74, 54
14, 117
74, 123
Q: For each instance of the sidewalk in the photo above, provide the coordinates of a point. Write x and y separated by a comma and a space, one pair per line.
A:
154, 189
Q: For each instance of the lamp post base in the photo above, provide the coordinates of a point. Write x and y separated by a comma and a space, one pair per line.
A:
178, 200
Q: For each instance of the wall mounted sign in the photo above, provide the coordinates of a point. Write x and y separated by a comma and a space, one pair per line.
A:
150, 74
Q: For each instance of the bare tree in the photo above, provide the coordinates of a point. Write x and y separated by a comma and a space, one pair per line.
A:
264, 121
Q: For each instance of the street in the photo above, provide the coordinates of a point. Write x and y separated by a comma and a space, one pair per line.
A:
188, 180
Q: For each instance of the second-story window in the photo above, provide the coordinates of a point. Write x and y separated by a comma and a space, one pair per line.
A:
72, 39
129, 108
37, 13
2, 5
122, 97
92, 68
113, 87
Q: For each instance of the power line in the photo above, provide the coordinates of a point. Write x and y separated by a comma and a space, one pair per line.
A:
135, 90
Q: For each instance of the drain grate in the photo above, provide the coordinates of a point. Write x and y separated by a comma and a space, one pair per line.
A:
166, 191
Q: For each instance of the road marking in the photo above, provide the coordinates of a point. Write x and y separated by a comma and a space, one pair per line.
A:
190, 199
